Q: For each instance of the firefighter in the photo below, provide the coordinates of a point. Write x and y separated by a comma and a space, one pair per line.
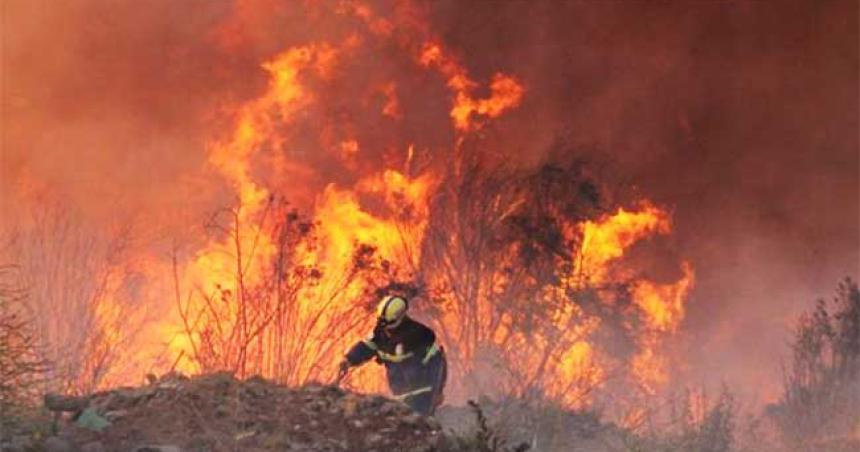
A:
414, 363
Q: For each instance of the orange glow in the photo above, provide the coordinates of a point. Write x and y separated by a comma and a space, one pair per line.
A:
606, 240
396, 237
663, 305
562, 361
505, 91
214, 269
275, 293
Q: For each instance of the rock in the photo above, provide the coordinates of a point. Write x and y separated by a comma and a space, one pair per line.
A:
91, 420
114, 415
244, 435
55, 444
169, 384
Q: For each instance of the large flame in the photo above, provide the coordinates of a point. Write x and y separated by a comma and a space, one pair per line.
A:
275, 293
661, 305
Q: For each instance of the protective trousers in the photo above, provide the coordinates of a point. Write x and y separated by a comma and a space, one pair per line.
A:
420, 385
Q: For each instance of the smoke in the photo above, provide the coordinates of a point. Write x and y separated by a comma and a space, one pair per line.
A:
107, 104
741, 117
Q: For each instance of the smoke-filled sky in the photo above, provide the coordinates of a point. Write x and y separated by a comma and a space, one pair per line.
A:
741, 117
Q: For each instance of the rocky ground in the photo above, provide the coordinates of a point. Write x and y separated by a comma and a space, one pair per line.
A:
540, 425
219, 413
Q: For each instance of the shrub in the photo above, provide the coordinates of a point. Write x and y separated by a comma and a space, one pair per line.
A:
696, 424
20, 367
820, 404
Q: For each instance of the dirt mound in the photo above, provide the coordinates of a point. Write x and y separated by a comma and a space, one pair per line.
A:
219, 413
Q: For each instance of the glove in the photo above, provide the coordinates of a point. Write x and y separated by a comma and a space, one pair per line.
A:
343, 368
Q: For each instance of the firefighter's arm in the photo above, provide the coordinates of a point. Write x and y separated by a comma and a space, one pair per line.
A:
361, 352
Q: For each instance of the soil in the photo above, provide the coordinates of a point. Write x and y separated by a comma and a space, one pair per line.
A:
220, 413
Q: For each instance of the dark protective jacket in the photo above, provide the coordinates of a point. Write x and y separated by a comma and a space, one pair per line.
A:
414, 364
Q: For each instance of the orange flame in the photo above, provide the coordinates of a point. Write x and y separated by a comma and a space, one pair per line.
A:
506, 91
661, 305
606, 240
389, 210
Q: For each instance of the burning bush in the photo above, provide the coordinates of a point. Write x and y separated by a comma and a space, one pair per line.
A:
83, 296
516, 268
282, 321
500, 251
515, 273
